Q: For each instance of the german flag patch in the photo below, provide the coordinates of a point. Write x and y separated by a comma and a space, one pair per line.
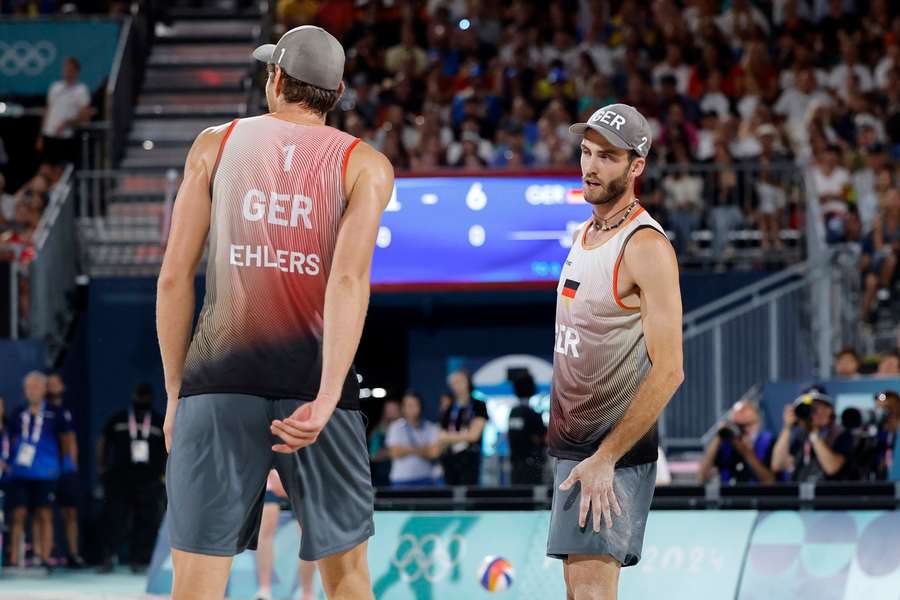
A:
570, 287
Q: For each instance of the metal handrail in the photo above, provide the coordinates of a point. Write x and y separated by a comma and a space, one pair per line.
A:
757, 293
58, 196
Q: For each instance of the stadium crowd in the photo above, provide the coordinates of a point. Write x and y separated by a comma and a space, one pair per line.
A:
488, 84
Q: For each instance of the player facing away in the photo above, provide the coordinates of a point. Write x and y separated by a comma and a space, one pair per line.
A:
291, 208
617, 362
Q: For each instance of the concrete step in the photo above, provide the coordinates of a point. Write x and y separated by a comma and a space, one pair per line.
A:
211, 80
206, 55
204, 31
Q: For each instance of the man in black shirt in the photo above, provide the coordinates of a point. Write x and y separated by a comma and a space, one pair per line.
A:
527, 435
131, 456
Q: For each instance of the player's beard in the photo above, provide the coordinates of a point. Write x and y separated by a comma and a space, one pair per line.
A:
611, 191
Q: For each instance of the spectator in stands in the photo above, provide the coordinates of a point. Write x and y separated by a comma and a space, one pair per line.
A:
881, 250
721, 197
379, 454
811, 446
870, 182
889, 365
846, 363
527, 435
795, 104
831, 182
39, 436
683, 197
413, 445
68, 105
7, 204
131, 460
741, 452
68, 494
462, 425
771, 186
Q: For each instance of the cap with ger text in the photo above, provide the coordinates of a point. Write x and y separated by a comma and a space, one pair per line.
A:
622, 125
309, 54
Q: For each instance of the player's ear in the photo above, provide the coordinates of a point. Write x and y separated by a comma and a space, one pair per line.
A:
341, 89
277, 81
637, 167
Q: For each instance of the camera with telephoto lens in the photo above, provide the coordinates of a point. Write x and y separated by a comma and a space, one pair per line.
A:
863, 425
804, 404
729, 431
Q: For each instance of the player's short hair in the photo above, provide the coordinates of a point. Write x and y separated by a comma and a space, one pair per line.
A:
314, 98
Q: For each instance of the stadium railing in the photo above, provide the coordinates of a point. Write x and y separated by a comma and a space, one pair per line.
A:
884, 495
52, 274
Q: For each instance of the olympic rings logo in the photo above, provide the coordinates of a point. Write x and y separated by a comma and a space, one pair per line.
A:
431, 558
25, 58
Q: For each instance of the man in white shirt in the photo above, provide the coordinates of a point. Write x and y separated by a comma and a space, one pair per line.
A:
68, 104
850, 66
675, 66
413, 445
793, 104
831, 182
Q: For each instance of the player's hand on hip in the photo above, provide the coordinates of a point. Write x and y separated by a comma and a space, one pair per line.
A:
302, 428
596, 476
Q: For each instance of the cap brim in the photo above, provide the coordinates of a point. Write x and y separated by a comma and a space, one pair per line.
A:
612, 138
264, 53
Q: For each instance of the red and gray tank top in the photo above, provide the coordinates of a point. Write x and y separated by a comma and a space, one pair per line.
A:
277, 201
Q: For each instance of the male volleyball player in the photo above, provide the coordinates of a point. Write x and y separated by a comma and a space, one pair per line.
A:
617, 361
292, 210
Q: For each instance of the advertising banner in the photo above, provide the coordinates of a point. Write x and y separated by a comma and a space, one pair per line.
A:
32, 53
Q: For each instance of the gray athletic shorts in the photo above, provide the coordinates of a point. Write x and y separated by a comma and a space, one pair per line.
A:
633, 487
216, 477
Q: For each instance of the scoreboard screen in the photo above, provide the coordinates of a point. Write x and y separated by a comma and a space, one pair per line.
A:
454, 231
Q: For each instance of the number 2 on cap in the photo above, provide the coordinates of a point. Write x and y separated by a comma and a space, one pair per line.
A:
640, 147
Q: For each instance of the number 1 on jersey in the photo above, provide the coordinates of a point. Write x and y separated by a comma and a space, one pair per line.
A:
288, 156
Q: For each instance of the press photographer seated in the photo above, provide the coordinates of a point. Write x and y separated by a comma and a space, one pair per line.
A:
742, 450
874, 433
811, 446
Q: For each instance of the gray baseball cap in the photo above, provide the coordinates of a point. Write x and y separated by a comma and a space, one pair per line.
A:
307, 53
622, 125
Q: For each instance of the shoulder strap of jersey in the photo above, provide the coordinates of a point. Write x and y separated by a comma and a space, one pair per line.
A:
212, 176
615, 281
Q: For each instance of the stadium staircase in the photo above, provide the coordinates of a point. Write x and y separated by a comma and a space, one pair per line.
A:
198, 75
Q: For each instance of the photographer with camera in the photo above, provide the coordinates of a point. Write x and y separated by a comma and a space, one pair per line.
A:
811, 446
742, 450
887, 451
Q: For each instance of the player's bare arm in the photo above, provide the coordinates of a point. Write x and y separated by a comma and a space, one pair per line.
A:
175, 288
650, 270
370, 181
